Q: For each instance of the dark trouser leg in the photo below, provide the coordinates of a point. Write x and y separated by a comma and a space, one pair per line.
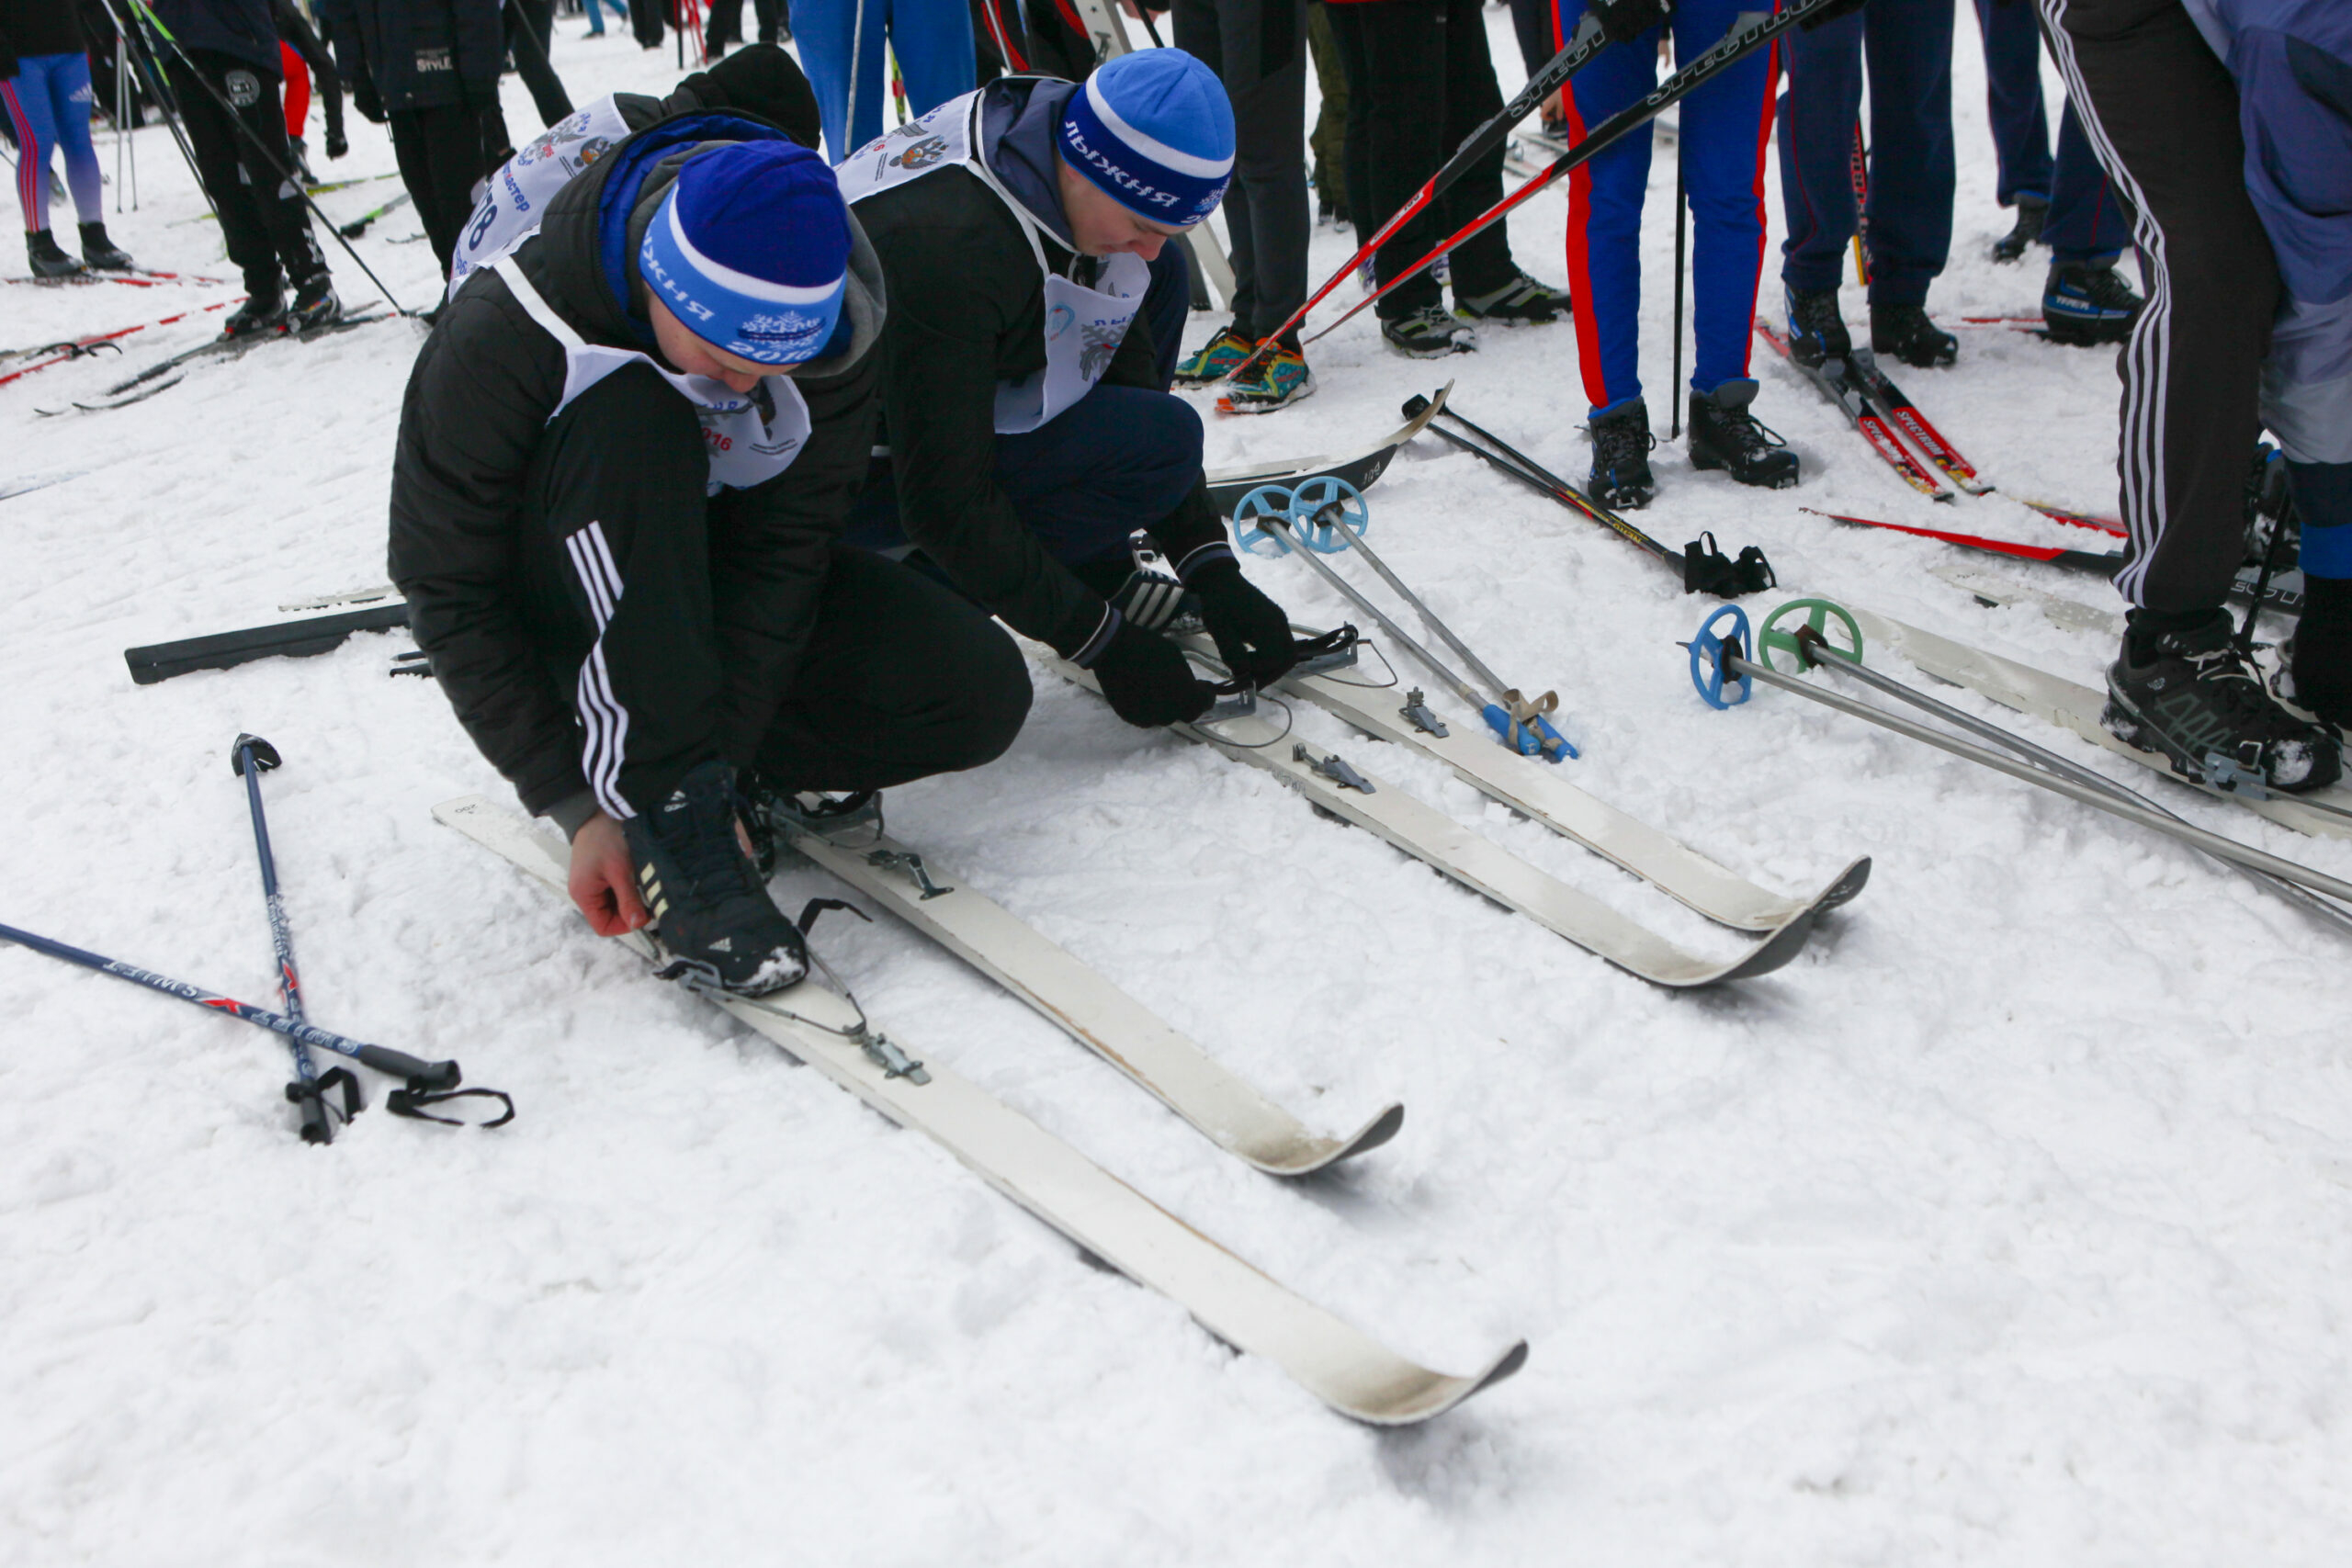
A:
615, 577
438, 149
1258, 53
1397, 98
266, 245
1908, 44
722, 25
528, 25
645, 20
1824, 69
2162, 115
769, 14
1530, 23
2090, 221
1482, 262
2013, 98
1330, 137
902, 679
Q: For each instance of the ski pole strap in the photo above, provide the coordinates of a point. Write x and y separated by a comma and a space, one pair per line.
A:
1706, 569
1521, 726
318, 1094
411, 1102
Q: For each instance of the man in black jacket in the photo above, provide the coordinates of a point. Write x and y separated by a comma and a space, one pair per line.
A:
1036, 311
247, 167
617, 533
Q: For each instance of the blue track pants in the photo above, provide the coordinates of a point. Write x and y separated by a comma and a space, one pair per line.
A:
2086, 223
48, 104
1724, 126
933, 42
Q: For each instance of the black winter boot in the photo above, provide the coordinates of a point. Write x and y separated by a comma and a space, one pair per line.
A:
1905, 331
102, 255
2084, 306
1817, 332
2315, 666
1621, 458
48, 261
1724, 435
2192, 697
2032, 212
261, 312
704, 894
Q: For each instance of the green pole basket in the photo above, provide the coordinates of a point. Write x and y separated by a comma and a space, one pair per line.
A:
1778, 635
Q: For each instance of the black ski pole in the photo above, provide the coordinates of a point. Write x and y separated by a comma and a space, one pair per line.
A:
249, 757
149, 19
1681, 224
143, 58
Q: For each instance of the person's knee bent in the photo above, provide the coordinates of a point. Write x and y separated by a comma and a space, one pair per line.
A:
993, 695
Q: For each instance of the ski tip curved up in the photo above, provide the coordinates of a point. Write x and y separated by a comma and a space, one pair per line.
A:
1850, 881
1408, 1394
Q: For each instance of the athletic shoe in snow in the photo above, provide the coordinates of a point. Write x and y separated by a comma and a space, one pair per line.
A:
1905, 331
48, 261
1429, 333
1520, 302
102, 255
1724, 435
704, 894
1817, 332
1621, 456
2192, 697
314, 305
2085, 305
1213, 360
1280, 381
259, 313
2032, 212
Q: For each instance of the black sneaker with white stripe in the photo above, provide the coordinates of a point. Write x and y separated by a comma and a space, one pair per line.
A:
1522, 301
708, 903
2193, 697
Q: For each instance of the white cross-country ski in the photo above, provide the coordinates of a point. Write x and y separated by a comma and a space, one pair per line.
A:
1337, 1362
2069, 705
1371, 803
1081, 1001
1535, 789
1228, 486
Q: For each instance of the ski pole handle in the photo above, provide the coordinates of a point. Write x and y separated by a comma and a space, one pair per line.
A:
401, 1065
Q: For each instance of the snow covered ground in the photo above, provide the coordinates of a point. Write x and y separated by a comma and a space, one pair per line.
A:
2007, 1225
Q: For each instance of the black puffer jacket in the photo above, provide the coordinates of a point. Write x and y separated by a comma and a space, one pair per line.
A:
242, 30
417, 53
483, 389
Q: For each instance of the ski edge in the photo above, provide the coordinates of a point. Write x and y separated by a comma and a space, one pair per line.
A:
1339, 1363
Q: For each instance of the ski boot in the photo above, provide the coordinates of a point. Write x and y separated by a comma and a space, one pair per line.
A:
315, 305
2084, 306
708, 904
1817, 332
263, 312
102, 255
48, 261
2194, 698
1905, 331
1724, 435
1621, 456
1522, 301
1214, 359
2033, 211
1282, 381
1430, 334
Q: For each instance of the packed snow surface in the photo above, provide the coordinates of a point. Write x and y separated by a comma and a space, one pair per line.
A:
2011, 1223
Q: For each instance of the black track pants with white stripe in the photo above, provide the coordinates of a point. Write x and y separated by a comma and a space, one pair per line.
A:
2162, 115
896, 679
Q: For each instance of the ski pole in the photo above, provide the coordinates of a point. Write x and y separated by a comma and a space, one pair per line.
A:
1749, 33
856, 48
149, 18
144, 57
2067, 779
248, 758
1517, 723
1589, 41
1682, 227
421, 1076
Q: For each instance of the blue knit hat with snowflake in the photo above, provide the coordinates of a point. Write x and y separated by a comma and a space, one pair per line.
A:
751, 251
1155, 130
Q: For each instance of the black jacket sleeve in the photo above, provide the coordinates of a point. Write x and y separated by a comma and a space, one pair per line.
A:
473, 414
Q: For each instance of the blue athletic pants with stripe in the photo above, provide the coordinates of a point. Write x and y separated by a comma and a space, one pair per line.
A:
1720, 143
2087, 221
933, 42
48, 104
1909, 46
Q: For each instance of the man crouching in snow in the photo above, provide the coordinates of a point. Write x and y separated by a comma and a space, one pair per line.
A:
625, 458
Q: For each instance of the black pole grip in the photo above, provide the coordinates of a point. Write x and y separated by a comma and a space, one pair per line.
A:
401, 1065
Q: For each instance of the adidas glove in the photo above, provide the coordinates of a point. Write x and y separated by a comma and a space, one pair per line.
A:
1251, 632
1149, 682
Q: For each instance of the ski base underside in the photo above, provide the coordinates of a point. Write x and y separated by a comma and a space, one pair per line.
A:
287, 639
1228, 486
1088, 1006
1337, 1362
2072, 706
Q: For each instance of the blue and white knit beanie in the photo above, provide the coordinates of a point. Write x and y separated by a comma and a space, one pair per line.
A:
750, 250
1155, 130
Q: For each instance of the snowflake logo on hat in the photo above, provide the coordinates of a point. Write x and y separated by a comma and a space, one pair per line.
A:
791, 327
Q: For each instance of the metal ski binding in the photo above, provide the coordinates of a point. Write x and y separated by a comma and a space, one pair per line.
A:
1335, 649
884, 1053
1332, 767
909, 862
2232, 776
1417, 710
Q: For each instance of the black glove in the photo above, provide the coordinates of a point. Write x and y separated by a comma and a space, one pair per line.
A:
1830, 13
1622, 21
365, 98
1149, 682
1251, 632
